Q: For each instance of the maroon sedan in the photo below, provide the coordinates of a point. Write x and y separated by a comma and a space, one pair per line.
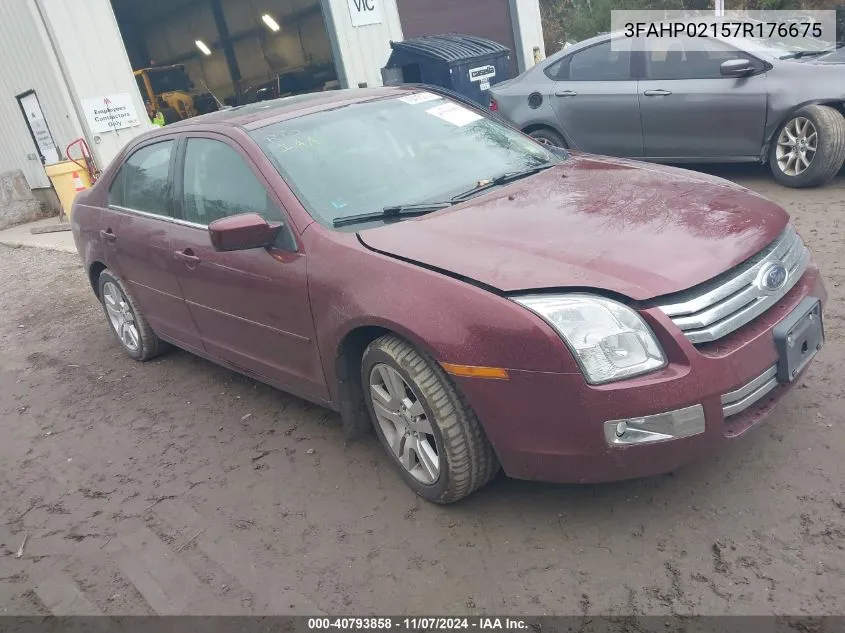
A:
478, 298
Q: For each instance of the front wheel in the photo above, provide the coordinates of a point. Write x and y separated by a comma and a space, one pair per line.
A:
423, 423
809, 147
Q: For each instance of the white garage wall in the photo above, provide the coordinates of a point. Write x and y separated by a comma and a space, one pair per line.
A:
361, 52
94, 63
528, 31
29, 64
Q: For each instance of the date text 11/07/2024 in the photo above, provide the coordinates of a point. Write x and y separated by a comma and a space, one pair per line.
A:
416, 624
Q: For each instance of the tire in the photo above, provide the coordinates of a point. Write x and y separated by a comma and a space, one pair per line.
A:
548, 136
116, 299
466, 460
824, 163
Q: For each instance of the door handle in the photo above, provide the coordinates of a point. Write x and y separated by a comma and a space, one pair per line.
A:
187, 256
660, 92
566, 93
107, 235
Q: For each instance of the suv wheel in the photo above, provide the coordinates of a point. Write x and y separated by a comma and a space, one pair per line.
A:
423, 422
809, 147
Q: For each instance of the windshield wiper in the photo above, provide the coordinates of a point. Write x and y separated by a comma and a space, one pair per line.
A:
421, 208
502, 179
404, 210
802, 54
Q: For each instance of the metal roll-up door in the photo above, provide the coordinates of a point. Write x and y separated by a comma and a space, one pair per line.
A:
483, 18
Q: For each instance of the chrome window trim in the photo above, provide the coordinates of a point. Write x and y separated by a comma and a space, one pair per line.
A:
156, 216
740, 399
722, 305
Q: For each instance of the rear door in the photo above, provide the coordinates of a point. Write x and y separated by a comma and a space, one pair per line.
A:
595, 99
252, 306
136, 238
689, 110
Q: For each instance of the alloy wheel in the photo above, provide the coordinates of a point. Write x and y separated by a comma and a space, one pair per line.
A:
121, 316
796, 146
404, 424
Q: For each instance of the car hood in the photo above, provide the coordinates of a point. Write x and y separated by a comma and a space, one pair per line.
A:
631, 228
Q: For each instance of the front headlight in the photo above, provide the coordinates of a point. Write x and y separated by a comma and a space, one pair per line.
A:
609, 340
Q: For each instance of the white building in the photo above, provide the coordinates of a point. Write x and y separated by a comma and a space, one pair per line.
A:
67, 65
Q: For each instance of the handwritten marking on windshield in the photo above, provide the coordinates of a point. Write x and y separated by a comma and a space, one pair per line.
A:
292, 140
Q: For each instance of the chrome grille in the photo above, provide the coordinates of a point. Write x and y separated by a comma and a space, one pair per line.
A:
742, 398
717, 307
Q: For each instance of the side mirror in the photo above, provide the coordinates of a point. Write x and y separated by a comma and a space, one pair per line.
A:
736, 68
242, 232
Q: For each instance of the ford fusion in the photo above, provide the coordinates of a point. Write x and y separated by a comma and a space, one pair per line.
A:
481, 300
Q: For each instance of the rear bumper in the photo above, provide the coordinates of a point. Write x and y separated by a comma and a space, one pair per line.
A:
551, 427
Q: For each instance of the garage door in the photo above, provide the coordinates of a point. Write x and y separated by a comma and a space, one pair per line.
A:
482, 18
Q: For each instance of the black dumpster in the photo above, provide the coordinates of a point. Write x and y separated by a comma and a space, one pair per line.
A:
465, 64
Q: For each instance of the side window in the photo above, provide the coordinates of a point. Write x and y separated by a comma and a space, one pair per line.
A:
219, 183
142, 182
602, 63
686, 59
559, 71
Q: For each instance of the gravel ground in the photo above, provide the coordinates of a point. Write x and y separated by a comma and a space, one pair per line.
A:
179, 487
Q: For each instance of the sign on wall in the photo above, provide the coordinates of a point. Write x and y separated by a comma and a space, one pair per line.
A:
38, 127
110, 112
365, 12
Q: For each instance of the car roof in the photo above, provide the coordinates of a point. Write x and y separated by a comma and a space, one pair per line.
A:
255, 115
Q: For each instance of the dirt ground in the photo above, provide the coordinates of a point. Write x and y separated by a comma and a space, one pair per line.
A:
179, 487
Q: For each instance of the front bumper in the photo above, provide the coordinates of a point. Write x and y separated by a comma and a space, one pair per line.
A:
552, 427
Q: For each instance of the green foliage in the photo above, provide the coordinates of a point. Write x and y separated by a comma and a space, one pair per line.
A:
575, 20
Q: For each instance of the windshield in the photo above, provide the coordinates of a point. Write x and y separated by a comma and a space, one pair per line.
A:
402, 150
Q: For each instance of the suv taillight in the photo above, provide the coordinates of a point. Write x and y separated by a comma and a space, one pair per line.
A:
493, 105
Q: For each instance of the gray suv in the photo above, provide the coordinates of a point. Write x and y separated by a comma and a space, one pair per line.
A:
731, 100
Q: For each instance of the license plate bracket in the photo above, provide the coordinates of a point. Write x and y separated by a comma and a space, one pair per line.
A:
798, 338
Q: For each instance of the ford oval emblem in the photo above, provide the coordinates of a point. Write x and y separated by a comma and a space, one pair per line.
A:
772, 277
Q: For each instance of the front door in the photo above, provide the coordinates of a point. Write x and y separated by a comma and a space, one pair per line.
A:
595, 99
251, 307
689, 110
136, 235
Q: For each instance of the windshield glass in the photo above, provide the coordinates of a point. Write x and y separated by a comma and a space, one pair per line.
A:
402, 150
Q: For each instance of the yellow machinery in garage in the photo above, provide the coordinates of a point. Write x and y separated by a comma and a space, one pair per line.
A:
168, 89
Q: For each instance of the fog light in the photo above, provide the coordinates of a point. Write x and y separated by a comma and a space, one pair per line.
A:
661, 427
